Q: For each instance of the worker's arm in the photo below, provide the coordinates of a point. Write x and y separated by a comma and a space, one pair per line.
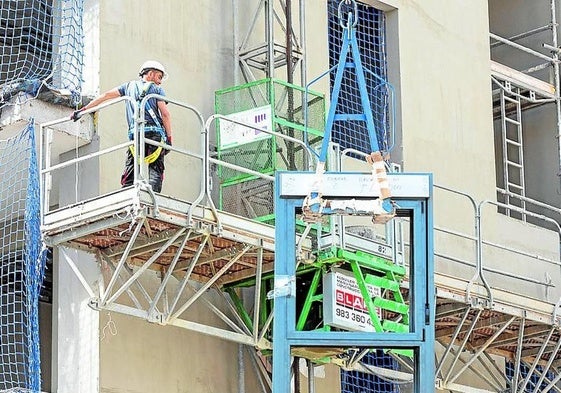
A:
166, 119
113, 93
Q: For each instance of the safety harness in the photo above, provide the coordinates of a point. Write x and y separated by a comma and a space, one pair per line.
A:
134, 90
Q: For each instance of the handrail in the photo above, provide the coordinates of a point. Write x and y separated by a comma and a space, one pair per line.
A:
45, 153
495, 271
204, 183
521, 47
478, 247
531, 201
47, 168
499, 246
212, 118
480, 241
525, 212
86, 157
210, 159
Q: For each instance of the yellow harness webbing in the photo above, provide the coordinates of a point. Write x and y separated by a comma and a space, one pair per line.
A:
151, 157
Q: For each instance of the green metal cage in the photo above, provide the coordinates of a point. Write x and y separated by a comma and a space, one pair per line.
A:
275, 105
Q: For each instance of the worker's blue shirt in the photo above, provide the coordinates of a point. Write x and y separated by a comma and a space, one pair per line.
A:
138, 90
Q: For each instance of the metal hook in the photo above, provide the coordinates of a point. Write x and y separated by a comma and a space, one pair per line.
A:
351, 19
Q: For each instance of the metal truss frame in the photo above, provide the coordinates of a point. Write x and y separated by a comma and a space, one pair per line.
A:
269, 55
469, 342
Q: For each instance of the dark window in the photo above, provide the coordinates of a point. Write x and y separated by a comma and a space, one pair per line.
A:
370, 34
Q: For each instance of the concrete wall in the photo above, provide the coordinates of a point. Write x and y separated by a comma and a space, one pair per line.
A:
445, 94
137, 356
446, 128
75, 338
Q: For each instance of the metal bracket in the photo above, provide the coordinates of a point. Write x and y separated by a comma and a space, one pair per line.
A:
480, 303
94, 304
143, 185
556, 317
284, 286
156, 317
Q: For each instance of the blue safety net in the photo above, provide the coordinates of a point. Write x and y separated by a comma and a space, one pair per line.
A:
527, 383
359, 382
22, 264
41, 44
371, 39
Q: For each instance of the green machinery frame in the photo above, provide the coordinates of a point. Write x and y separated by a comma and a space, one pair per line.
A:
365, 268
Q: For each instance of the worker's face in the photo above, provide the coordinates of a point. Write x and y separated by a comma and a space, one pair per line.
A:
156, 76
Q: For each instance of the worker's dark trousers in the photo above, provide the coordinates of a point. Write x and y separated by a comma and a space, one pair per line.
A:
155, 169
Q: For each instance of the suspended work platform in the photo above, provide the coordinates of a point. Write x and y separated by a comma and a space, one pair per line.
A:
106, 225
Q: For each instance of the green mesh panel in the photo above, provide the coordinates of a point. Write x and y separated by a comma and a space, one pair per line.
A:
251, 198
242, 193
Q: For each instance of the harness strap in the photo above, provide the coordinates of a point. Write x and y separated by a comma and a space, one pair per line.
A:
151, 157
148, 129
140, 94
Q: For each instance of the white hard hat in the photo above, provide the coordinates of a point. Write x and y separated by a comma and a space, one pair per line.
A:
152, 65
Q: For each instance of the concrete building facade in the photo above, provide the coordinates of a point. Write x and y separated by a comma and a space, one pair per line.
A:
451, 63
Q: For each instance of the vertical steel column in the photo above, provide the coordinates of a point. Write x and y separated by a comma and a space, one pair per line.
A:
303, 68
285, 267
235, 42
557, 78
270, 38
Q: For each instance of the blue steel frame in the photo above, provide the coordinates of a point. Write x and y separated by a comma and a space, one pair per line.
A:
420, 338
349, 44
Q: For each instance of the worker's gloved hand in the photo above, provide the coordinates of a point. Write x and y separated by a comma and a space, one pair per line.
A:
76, 115
169, 142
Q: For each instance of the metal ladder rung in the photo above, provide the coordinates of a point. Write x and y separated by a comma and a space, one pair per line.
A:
513, 100
513, 142
514, 185
512, 121
514, 164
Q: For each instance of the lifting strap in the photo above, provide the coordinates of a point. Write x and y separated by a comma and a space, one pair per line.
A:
314, 205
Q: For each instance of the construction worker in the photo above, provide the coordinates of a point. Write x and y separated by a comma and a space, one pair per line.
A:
157, 120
